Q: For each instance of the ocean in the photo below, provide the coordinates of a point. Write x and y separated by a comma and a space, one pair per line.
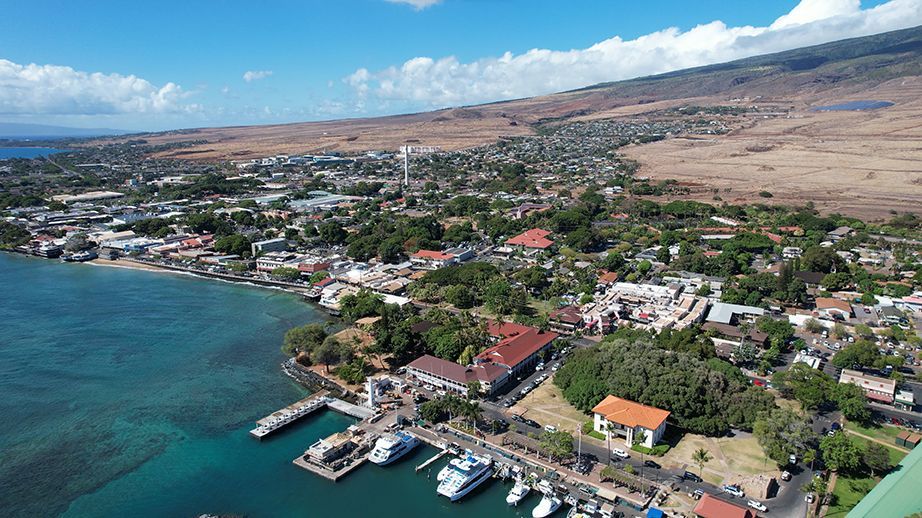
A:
28, 152
128, 392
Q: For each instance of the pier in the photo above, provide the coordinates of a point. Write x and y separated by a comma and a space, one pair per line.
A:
433, 459
291, 413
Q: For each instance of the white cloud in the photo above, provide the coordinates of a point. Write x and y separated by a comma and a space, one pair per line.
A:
429, 82
61, 90
255, 75
417, 4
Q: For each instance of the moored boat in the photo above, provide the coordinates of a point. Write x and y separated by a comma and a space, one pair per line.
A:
391, 447
549, 503
465, 476
518, 492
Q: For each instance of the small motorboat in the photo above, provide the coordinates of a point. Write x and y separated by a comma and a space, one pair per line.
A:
518, 492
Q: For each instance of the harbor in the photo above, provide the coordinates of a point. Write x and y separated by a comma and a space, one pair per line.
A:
338, 454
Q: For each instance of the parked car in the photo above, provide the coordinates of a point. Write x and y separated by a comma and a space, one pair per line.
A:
786, 476
809, 498
621, 454
550, 428
733, 490
758, 506
688, 475
696, 494
792, 459
651, 464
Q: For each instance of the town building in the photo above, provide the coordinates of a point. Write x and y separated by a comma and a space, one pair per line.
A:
272, 260
833, 308
432, 259
452, 377
519, 347
627, 419
535, 238
712, 507
566, 320
645, 305
879, 389
279, 244
331, 448
733, 314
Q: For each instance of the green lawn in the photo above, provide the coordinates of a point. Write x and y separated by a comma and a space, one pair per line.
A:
885, 432
847, 493
852, 488
895, 455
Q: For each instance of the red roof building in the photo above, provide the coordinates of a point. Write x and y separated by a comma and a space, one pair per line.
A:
534, 238
454, 377
713, 507
433, 254
518, 347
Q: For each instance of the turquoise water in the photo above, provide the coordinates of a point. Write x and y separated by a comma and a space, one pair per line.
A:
28, 152
131, 393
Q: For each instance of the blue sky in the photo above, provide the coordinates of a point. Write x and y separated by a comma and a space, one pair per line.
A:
166, 64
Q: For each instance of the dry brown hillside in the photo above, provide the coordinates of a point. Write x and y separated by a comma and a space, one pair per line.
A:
858, 162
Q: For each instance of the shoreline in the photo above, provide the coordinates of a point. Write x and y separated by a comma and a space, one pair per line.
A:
132, 264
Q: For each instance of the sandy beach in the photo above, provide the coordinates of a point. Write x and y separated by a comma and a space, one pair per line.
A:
128, 264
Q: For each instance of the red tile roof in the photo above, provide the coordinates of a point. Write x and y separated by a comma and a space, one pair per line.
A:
517, 343
455, 372
831, 303
534, 238
608, 277
629, 413
713, 507
432, 254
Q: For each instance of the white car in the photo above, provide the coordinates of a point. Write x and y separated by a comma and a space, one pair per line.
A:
550, 428
621, 454
733, 490
758, 506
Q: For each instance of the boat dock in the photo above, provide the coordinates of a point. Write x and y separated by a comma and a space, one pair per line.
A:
307, 406
303, 462
344, 407
291, 413
433, 459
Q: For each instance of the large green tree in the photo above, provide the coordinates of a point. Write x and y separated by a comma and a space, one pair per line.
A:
782, 432
840, 452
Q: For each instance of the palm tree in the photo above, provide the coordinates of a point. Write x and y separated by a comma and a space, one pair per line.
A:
639, 439
609, 428
701, 457
809, 457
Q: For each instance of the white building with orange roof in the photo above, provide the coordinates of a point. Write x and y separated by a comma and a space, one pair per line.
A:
624, 418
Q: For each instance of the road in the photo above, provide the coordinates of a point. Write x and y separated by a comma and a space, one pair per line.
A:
788, 502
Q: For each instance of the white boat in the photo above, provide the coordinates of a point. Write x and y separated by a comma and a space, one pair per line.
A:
450, 466
547, 506
518, 492
391, 447
464, 476
549, 503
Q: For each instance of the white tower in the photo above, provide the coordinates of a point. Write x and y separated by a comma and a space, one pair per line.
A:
371, 387
406, 165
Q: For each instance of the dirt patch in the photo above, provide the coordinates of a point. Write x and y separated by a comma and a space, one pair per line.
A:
546, 405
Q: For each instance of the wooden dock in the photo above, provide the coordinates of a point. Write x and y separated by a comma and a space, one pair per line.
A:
429, 462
